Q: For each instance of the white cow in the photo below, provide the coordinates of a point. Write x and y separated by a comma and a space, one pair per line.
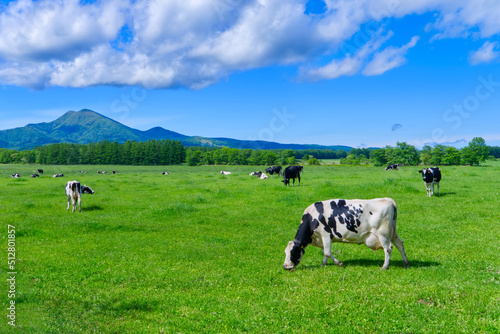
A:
225, 173
74, 191
370, 222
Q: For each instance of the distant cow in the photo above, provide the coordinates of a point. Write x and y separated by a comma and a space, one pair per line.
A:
74, 191
392, 166
291, 172
370, 222
40, 171
258, 174
101, 172
225, 173
58, 175
274, 170
114, 172
165, 173
35, 175
431, 177
15, 176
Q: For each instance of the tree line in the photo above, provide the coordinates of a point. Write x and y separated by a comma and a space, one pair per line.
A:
475, 152
169, 152
151, 152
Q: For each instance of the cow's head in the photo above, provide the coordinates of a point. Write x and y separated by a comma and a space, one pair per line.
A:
286, 181
86, 190
293, 254
427, 175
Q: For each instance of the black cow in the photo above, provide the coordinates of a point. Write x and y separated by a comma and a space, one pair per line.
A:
291, 172
274, 170
392, 166
35, 175
40, 171
431, 176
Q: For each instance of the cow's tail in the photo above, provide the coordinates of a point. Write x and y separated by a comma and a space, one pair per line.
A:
394, 234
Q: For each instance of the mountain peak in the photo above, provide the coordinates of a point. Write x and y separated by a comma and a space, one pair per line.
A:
87, 126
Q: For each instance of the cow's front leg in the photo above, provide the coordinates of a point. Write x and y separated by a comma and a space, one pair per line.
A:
327, 253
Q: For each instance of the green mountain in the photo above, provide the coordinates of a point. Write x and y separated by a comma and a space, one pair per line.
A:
87, 126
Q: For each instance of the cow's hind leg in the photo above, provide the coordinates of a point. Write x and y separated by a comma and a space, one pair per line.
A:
387, 245
327, 253
399, 245
69, 199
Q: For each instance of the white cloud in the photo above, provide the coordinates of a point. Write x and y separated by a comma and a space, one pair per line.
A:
485, 54
389, 58
193, 44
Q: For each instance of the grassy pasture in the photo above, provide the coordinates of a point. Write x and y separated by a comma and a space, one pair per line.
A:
199, 252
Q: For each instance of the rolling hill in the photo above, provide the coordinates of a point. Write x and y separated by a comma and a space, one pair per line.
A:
87, 126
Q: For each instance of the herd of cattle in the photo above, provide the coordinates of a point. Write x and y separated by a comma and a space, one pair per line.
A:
370, 222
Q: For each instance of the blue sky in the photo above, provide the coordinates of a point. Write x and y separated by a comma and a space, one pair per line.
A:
358, 73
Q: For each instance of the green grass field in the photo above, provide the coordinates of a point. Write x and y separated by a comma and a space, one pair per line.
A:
199, 252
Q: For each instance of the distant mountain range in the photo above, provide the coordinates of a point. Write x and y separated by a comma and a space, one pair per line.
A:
87, 126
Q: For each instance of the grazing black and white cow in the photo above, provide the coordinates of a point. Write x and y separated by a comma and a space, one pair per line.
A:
291, 172
370, 222
40, 171
431, 177
392, 167
35, 175
58, 175
274, 170
101, 172
15, 176
165, 173
225, 173
74, 191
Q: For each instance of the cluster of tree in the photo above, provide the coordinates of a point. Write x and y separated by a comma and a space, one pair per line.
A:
232, 156
326, 153
151, 152
477, 151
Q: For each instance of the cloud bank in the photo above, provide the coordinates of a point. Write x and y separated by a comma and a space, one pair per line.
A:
193, 44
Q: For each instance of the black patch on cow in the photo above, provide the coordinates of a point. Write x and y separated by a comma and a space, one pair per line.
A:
344, 214
321, 217
395, 213
306, 230
370, 213
296, 252
76, 187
